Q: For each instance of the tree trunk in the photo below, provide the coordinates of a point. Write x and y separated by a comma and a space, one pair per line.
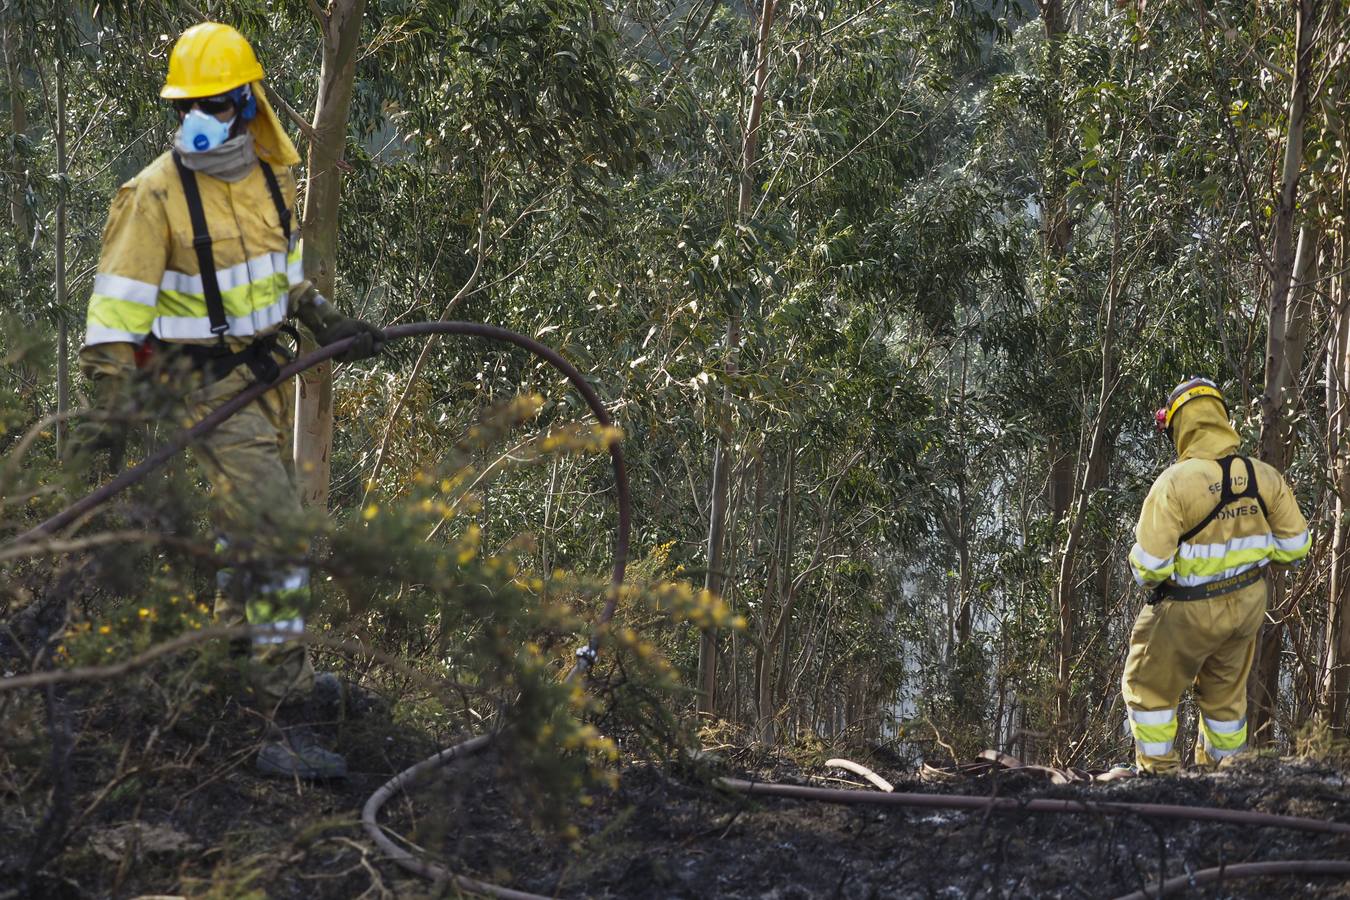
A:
18, 119
1094, 472
771, 609
1336, 681
965, 607
340, 27
1282, 365
1058, 224
713, 579
62, 326
787, 578
1277, 438
1057, 234
1283, 354
721, 486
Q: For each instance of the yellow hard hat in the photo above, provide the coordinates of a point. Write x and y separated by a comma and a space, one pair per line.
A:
207, 60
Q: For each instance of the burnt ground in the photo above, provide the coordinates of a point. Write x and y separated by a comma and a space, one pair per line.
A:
660, 836
184, 815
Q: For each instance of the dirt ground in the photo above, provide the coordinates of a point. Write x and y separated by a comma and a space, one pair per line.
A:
660, 836
188, 817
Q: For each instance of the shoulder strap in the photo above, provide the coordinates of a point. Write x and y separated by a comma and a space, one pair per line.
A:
201, 242
1227, 495
1253, 490
283, 211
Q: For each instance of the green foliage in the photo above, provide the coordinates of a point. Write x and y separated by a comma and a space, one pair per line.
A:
912, 393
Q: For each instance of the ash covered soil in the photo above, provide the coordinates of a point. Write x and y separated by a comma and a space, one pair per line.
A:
188, 817
660, 836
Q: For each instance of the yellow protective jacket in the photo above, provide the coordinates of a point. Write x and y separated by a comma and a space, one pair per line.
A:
149, 281
1241, 537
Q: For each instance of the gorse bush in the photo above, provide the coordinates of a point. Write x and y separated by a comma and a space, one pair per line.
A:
411, 598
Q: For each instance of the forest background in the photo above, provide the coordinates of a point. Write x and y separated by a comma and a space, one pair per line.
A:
883, 295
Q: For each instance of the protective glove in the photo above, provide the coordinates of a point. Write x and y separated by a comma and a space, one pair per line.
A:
103, 429
330, 326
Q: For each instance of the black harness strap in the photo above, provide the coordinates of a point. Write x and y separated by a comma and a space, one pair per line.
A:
201, 242
1227, 495
259, 355
283, 211
1170, 591
218, 362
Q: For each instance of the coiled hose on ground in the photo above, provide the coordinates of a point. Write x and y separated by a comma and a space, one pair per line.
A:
586, 656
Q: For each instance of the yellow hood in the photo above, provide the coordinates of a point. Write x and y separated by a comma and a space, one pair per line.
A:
1200, 430
269, 138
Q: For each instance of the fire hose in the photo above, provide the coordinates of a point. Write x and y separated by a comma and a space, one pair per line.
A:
585, 657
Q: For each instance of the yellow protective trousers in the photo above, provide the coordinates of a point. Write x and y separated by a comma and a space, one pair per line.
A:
248, 462
1179, 643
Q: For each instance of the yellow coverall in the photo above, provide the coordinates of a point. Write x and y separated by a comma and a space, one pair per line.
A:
1208, 643
149, 282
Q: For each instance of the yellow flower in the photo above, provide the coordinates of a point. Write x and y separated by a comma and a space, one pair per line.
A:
143, 613
370, 512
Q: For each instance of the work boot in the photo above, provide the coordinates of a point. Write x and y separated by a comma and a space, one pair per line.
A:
295, 752
335, 699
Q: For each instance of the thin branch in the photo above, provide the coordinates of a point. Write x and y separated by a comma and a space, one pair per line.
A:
393, 416
80, 674
296, 119
1244, 170
852, 150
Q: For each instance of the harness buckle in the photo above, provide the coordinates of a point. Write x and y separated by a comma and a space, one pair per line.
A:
264, 367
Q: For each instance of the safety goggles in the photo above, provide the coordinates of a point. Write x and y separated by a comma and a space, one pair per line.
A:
212, 106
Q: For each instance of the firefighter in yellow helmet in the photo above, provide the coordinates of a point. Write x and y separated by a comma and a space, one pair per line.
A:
1210, 526
200, 270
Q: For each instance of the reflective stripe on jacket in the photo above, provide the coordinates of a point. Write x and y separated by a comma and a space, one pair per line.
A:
1240, 538
148, 279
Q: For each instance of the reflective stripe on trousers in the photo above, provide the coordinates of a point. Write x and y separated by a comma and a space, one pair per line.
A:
276, 596
1223, 738
1155, 731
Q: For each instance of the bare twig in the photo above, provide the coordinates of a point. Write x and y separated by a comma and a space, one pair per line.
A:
450, 307
297, 120
232, 632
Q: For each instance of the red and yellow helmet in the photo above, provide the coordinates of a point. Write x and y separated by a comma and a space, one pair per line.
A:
1181, 395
